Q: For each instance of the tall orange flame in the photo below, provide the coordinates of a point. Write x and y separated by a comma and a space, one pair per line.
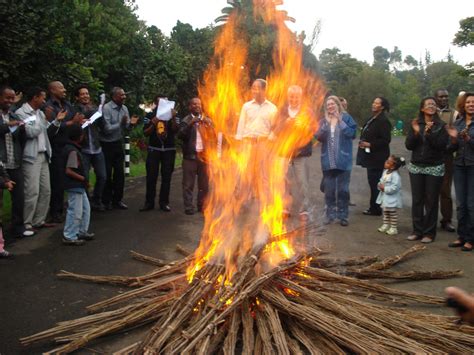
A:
241, 211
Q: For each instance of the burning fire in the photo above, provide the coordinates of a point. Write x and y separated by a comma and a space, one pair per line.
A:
241, 211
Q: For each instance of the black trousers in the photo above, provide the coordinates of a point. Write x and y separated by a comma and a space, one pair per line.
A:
425, 201
153, 161
373, 176
18, 201
191, 169
57, 175
114, 171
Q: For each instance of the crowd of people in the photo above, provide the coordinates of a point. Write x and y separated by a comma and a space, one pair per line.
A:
48, 146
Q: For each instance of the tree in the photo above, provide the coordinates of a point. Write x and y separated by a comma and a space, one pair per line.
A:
381, 58
260, 35
465, 36
338, 68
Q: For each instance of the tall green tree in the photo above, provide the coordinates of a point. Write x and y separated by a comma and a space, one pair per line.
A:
465, 35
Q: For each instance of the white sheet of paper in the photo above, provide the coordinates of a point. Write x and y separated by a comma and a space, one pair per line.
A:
164, 109
91, 120
30, 119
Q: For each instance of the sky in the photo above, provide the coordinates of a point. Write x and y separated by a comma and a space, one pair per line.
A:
355, 27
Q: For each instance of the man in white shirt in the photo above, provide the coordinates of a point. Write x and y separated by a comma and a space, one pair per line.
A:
258, 115
256, 121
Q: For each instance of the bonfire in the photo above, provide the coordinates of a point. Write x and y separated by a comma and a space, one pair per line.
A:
260, 283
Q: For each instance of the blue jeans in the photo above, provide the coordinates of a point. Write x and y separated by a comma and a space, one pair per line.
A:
78, 214
464, 186
336, 193
98, 163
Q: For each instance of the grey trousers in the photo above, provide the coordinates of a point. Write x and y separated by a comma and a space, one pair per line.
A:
37, 191
298, 180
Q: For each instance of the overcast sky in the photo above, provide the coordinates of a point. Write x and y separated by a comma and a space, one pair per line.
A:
355, 27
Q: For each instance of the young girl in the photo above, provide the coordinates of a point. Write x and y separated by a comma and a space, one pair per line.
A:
390, 195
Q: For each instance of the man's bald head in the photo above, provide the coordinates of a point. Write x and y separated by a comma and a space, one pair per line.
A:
57, 90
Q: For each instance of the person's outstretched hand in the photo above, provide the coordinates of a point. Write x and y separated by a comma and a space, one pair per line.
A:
464, 299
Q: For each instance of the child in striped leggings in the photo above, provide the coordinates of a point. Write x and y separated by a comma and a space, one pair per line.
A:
390, 195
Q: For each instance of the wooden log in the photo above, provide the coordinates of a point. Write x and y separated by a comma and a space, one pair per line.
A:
231, 339
392, 260
277, 332
147, 259
248, 337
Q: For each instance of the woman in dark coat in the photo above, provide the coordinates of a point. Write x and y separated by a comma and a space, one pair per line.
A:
462, 143
428, 140
374, 149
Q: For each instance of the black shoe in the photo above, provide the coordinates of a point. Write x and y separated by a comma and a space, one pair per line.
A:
5, 254
97, 206
189, 211
108, 206
56, 219
370, 212
448, 227
86, 236
165, 208
120, 205
146, 208
344, 222
74, 242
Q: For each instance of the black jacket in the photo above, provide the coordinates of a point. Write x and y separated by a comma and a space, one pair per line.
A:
18, 138
284, 123
463, 150
91, 132
377, 132
164, 141
187, 133
428, 149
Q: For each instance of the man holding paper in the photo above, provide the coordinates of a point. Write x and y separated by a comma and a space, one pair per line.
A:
160, 126
91, 149
36, 158
116, 120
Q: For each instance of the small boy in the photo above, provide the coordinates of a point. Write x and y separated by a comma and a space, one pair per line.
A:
5, 183
76, 227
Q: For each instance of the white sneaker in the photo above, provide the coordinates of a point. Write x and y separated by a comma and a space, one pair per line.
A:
384, 228
392, 231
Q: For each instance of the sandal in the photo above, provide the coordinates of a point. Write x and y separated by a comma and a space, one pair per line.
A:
456, 244
465, 248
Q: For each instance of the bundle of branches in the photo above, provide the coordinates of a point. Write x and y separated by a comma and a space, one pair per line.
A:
311, 303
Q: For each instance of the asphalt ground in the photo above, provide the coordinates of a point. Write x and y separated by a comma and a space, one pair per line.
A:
33, 299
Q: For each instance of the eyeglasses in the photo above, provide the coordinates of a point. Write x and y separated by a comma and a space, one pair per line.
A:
429, 105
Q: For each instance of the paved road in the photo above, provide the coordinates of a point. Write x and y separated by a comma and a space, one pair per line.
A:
33, 299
